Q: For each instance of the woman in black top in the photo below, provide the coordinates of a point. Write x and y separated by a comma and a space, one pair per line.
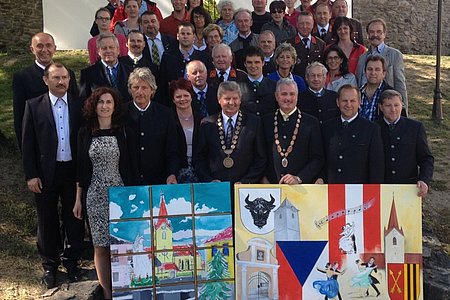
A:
105, 158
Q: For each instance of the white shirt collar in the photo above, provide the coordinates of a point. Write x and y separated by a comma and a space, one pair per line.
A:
140, 109
134, 57
225, 119
227, 71
389, 123
107, 66
259, 79
325, 27
205, 90
39, 65
53, 98
349, 120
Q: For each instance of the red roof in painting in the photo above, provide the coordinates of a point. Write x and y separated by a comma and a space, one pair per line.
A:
227, 234
169, 266
162, 212
393, 221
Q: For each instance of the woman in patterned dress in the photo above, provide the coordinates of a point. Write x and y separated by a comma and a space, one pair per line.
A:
105, 158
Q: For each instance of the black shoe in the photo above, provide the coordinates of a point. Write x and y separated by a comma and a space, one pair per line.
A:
73, 274
378, 294
49, 279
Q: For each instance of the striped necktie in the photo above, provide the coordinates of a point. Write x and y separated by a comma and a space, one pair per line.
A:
155, 53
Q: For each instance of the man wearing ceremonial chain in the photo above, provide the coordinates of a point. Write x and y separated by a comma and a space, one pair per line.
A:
231, 143
293, 140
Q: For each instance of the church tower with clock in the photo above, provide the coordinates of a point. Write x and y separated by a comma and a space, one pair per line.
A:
163, 234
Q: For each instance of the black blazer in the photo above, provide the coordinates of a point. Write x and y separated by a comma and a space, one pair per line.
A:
212, 104
127, 161
353, 154
181, 138
96, 76
27, 84
306, 56
323, 108
408, 158
169, 44
306, 159
249, 156
143, 62
259, 101
156, 140
173, 67
269, 66
40, 139
235, 75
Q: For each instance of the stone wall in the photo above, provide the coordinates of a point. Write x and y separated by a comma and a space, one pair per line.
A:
412, 25
19, 21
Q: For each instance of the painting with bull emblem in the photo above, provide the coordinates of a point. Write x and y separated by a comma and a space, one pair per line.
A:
319, 242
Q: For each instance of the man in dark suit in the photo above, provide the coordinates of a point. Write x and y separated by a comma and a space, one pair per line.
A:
308, 47
152, 35
316, 100
258, 92
293, 140
243, 20
323, 28
155, 131
266, 41
408, 158
106, 72
173, 63
223, 71
206, 101
231, 144
28, 82
135, 57
50, 128
353, 145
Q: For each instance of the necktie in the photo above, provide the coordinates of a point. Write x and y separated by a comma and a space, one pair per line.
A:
229, 133
112, 72
135, 61
256, 83
323, 32
345, 124
391, 127
221, 76
317, 94
155, 53
305, 42
202, 100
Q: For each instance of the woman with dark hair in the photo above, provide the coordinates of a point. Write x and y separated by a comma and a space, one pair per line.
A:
191, 4
105, 158
342, 34
337, 65
200, 18
188, 124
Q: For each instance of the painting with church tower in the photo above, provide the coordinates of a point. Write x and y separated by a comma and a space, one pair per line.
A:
172, 242
328, 242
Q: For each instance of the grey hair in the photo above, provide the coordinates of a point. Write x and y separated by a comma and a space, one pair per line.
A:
223, 3
286, 81
316, 64
285, 47
228, 86
240, 10
192, 62
222, 46
389, 94
143, 74
103, 36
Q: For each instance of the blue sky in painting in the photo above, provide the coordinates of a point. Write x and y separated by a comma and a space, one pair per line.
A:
129, 230
177, 197
129, 202
212, 195
208, 226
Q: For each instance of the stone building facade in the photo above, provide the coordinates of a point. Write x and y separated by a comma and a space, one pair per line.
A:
411, 24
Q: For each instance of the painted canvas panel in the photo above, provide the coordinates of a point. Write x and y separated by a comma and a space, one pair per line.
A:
168, 241
328, 241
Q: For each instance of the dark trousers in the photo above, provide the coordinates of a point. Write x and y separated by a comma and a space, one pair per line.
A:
54, 244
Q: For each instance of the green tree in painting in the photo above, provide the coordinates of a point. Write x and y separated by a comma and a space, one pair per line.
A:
217, 269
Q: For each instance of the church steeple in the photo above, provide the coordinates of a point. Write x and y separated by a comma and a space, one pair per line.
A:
393, 221
162, 212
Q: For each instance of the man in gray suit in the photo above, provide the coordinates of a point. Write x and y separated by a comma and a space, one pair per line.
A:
395, 68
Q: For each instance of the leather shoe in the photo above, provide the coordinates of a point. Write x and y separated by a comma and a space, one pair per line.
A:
73, 274
49, 279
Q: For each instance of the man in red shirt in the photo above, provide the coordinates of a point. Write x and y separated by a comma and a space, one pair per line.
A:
169, 25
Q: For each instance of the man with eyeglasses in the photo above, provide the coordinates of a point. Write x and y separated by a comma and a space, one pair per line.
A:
103, 19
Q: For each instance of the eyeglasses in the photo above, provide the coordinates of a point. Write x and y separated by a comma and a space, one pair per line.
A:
103, 19
277, 11
333, 58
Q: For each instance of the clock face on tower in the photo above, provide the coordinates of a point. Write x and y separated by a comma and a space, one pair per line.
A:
163, 226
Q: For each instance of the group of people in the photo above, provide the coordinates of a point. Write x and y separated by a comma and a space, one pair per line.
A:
257, 97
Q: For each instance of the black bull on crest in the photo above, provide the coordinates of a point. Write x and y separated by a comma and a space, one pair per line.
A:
260, 209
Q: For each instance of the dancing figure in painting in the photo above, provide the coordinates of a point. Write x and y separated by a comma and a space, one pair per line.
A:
363, 279
373, 279
329, 287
